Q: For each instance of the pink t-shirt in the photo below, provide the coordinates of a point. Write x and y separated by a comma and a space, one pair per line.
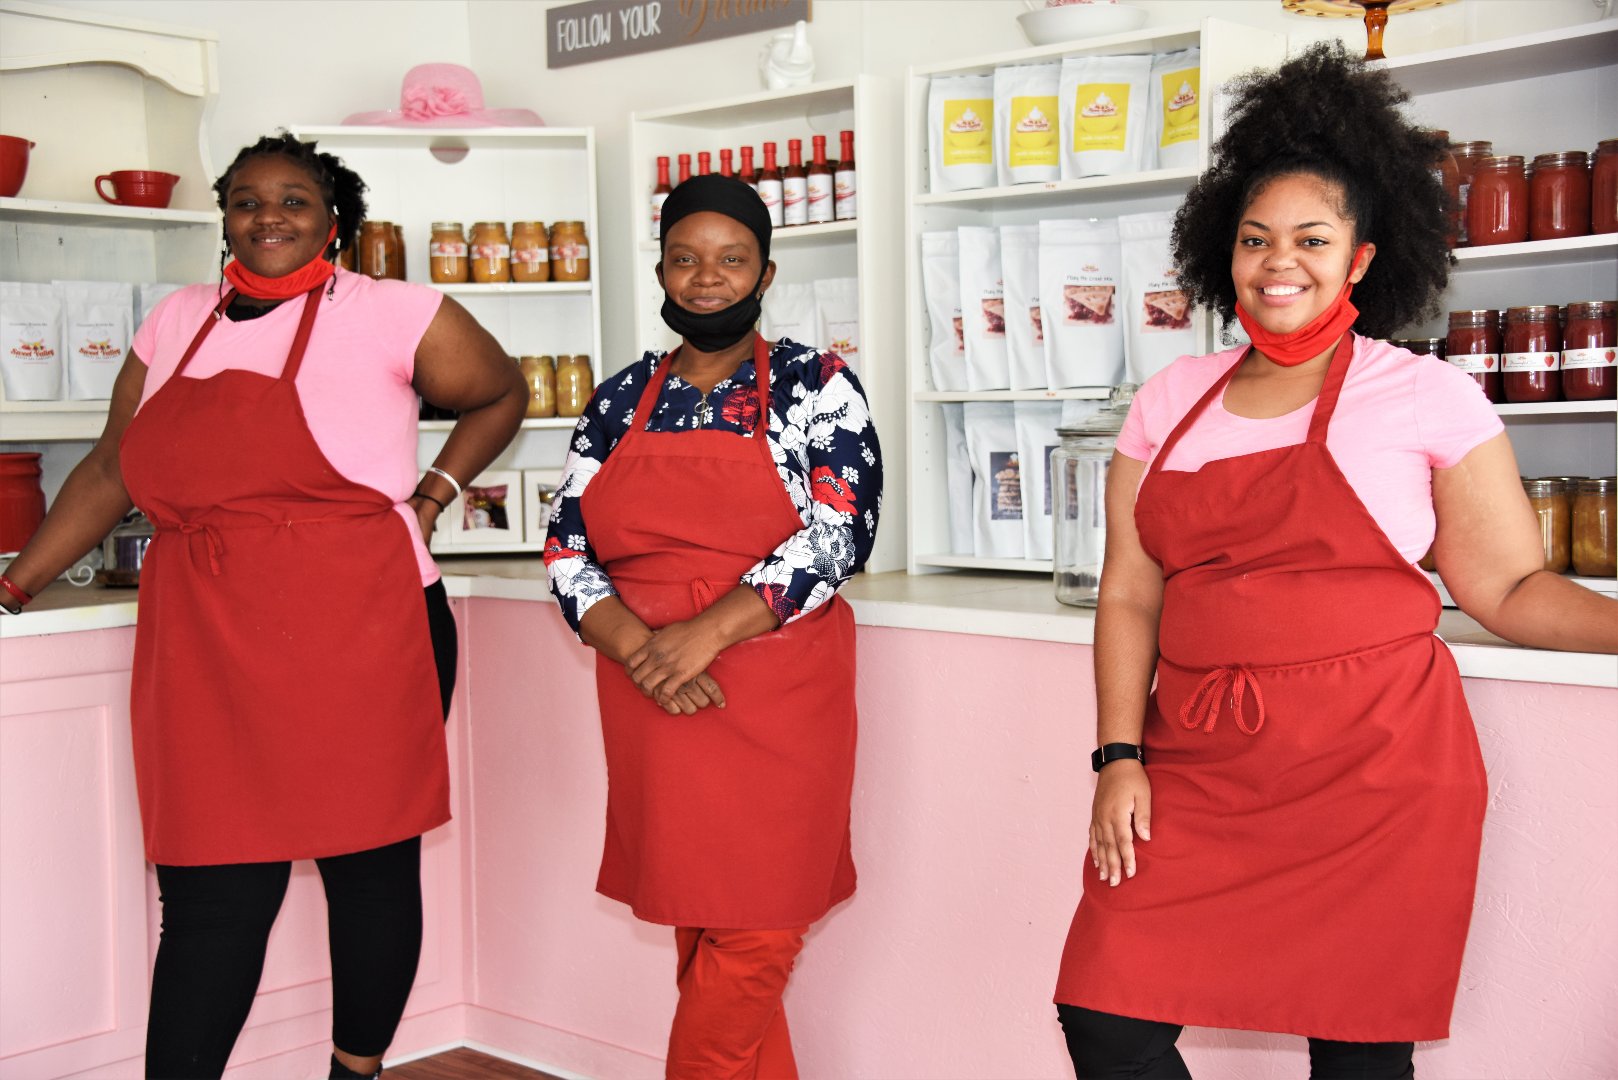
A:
1400, 416
354, 383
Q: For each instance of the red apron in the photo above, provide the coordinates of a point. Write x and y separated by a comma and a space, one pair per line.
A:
284, 700
734, 817
1317, 790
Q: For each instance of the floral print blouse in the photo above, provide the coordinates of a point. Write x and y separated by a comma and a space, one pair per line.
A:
825, 450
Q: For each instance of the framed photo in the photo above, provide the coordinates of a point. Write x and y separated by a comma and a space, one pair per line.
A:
538, 485
489, 513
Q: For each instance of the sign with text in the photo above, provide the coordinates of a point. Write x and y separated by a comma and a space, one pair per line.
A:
603, 29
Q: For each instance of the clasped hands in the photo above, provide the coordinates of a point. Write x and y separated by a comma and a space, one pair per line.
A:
671, 668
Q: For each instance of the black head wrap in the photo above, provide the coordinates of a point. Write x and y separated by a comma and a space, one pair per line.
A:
715, 331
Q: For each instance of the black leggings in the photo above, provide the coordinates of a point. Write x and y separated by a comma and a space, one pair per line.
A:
216, 925
1108, 1047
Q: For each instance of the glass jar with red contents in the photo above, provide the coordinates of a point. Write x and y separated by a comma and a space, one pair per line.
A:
1604, 187
1448, 174
1467, 155
1473, 345
1530, 364
1497, 206
1590, 351
1559, 196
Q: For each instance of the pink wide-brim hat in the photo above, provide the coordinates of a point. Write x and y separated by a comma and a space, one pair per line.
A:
444, 95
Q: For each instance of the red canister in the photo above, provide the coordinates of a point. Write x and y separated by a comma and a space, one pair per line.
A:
1559, 196
1497, 206
1531, 364
22, 500
1589, 351
1604, 188
1474, 347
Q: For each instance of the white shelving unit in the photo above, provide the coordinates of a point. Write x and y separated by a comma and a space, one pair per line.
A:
866, 248
417, 176
1227, 49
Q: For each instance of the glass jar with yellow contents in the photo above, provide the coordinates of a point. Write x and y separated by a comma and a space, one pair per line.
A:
570, 252
491, 253
446, 253
573, 384
530, 252
539, 373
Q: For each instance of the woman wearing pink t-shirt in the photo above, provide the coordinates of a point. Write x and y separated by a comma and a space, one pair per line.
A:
1288, 815
294, 650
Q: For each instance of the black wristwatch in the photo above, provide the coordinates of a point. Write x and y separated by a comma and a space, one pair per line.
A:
1116, 751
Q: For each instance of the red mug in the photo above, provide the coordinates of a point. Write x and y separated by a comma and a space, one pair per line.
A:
138, 187
13, 164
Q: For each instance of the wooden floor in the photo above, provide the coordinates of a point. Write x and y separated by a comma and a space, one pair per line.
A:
463, 1064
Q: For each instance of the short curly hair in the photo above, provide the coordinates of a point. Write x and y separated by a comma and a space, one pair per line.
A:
341, 188
1328, 115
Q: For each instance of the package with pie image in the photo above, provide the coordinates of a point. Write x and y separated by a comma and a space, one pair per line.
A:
960, 132
1104, 106
983, 309
1157, 316
958, 479
1176, 91
1079, 272
941, 284
789, 312
991, 440
1025, 338
97, 318
837, 314
1027, 133
30, 341
1036, 442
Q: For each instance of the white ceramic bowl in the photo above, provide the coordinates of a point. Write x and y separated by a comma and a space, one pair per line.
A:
1052, 26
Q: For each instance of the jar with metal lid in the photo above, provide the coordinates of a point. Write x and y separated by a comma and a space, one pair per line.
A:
1422, 346
123, 552
1473, 345
397, 270
1550, 501
573, 384
1448, 174
1590, 351
570, 252
491, 253
379, 249
530, 252
1604, 187
539, 373
1497, 205
1559, 197
447, 254
1595, 527
1530, 363
1079, 498
1467, 155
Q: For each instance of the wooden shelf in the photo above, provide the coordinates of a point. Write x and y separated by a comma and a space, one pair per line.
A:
106, 215
1058, 192
1574, 251
1525, 56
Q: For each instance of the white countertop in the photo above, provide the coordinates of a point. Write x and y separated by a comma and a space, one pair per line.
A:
997, 605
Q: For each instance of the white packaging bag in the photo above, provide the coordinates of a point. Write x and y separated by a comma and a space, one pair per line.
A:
958, 479
960, 132
1157, 316
991, 440
789, 312
97, 325
1079, 270
1176, 105
1036, 442
837, 313
941, 284
1025, 336
1028, 139
1104, 110
30, 341
983, 309
148, 296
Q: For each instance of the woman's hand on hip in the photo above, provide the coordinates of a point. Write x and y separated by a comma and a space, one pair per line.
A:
427, 513
672, 659
1122, 810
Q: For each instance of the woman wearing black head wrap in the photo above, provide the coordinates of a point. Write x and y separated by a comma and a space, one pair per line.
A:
715, 499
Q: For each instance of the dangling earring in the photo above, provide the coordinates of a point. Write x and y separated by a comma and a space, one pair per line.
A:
224, 255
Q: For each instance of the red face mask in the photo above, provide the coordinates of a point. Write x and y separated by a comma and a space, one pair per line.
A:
285, 287
1308, 341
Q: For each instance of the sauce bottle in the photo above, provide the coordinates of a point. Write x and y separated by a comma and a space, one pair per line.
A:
819, 184
685, 168
844, 181
794, 186
1604, 187
1590, 351
1473, 346
1559, 196
1532, 357
1497, 206
747, 175
704, 163
660, 194
724, 164
771, 187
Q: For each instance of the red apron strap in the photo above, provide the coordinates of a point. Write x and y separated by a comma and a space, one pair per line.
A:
761, 383
1326, 403
207, 328
1196, 410
300, 340
654, 386
648, 398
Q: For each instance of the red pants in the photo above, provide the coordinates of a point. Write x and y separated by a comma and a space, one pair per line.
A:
729, 1024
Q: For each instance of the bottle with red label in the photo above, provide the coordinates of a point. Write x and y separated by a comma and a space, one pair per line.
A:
704, 163
819, 184
1531, 363
1590, 351
685, 167
725, 166
747, 174
1473, 345
795, 186
660, 194
772, 187
843, 181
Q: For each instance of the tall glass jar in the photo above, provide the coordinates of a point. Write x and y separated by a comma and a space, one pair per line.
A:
1079, 498
379, 249
539, 373
1604, 188
1531, 359
1552, 505
573, 384
570, 252
446, 254
1473, 345
1595, 527
1590, 351
491, 253
1448, 174
397, 270
1559, 197
1497, 207
1467, 156
530, 252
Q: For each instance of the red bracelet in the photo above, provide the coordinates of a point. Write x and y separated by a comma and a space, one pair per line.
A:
11, 587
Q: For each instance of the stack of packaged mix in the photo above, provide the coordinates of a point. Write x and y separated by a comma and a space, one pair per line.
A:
66, 340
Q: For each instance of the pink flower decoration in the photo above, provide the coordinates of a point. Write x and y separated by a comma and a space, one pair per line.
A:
426, 102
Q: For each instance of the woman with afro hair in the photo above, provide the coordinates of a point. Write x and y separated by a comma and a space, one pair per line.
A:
1286, 826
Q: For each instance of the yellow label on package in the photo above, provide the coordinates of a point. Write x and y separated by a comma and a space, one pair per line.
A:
1100, 116
1182, 94
968, 124
1033, 132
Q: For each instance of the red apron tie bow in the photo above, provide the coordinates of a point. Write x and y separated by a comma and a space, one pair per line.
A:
1201, 707
216, 543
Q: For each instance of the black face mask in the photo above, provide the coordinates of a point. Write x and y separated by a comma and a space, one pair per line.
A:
714, 331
